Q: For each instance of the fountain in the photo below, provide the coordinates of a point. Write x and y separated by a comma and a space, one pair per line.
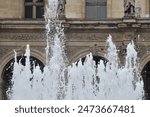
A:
81, 80
91, 81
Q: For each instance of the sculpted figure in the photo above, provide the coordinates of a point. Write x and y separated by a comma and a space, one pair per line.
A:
129, 7
61, 8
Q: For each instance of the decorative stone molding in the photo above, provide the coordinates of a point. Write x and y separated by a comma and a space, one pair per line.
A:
95, 49
75, 53
144, 60
144, 36
7, 54
4, 50
23, 36
129, 36
39, 48
92, 36
71, 51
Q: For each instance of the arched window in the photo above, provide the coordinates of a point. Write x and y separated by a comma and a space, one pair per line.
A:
146, 78
34, 8
8, 72
96, 9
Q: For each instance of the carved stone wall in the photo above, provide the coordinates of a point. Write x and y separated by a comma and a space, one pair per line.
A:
12, 38
82, 37
22, 37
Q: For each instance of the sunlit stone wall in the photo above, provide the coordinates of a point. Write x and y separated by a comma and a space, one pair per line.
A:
11, 8
74, 8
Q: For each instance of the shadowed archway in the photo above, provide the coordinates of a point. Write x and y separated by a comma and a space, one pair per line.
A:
96, 59
8, 71
146, 78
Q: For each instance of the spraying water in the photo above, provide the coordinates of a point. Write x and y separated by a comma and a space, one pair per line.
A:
91, 81
82, 80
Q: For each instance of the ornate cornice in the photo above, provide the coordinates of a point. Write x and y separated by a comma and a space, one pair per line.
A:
21, 24
91, 36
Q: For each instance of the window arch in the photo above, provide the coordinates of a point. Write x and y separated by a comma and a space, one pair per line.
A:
34, 8
146, 78
96, 59
96, 9
8, 71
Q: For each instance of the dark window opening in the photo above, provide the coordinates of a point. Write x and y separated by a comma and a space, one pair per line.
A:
28, 11
34, 9
38, 1
28, 0
8, 71
39, 11
96, 59
96, 9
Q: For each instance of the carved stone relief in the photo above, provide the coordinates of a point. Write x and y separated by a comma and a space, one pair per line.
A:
91, 36
4, 50
73, 50
61, 9
7, 49
129, 8
144, 36
129, 36
23, 36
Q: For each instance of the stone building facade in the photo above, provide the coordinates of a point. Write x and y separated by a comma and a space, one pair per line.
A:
87, 24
